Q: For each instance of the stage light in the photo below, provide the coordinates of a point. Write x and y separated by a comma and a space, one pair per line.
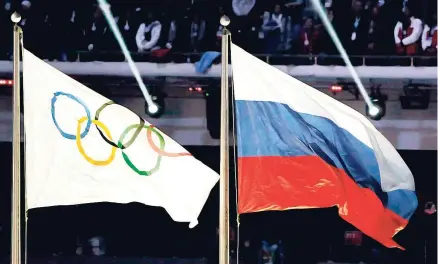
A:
414, 97
375, 112
6, 82
336, 88
378, 99
196, 89
342, 86
158, 107
153, 109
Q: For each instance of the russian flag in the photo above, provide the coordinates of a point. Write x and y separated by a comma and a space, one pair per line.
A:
300, 148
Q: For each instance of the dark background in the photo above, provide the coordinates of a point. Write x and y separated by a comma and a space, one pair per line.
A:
139, 230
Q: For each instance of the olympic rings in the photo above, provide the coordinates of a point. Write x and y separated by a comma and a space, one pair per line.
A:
106, 136
81, 149
74, 98
129, 162
137, 131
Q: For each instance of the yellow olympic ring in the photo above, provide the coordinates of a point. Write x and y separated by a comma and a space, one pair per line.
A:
81, 149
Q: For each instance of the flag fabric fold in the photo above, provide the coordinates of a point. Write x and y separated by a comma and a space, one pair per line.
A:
300, 148
83, 148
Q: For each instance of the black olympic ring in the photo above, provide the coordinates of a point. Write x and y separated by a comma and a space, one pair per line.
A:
133, 138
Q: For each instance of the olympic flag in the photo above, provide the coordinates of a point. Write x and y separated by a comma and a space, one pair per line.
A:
83, 148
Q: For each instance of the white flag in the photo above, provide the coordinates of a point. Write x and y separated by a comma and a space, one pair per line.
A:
83, 148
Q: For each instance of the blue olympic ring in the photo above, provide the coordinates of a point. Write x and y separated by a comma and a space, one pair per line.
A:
74, 98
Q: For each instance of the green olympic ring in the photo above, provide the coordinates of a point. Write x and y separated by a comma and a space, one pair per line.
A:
126, 158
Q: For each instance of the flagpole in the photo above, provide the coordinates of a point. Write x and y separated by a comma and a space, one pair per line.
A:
16, 152
224, 210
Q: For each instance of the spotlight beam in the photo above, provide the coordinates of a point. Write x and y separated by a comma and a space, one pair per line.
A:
105, 7
320, 10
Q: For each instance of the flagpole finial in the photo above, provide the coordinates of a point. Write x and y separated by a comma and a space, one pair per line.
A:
15, 17
225, 21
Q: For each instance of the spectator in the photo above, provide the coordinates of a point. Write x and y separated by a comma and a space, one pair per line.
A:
373, 31
328, 3
325, 44
213, 256
5, 44
74, 35
294, 12
369, 30
169, 30
97, 245
128, 23
7, 4
34, 28
219, 27
407, 32
242, 7
248, 254
358, 31
273, 26
405, 5
96, 32
309, 36
148, 34
384, 19
252, 35
429, 36
61, 21
270, 253
197, 33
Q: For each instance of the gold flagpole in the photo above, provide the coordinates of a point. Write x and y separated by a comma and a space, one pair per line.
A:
224, 209
16, 152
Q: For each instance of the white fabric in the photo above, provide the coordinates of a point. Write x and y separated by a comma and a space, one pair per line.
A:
397, 28
26, 4
144, 44
417, 27
426, 37
278, 18
254, 80
57, 174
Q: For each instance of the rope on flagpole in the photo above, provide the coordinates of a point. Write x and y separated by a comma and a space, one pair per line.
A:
26, 212
233, 126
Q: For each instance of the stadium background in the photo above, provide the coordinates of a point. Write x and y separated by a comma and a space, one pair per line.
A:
133, 232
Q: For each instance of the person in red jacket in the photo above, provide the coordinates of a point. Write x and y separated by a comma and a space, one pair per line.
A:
308, 36
429, 37
407, 33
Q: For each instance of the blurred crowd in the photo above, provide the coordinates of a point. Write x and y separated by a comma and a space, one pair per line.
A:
56, 30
